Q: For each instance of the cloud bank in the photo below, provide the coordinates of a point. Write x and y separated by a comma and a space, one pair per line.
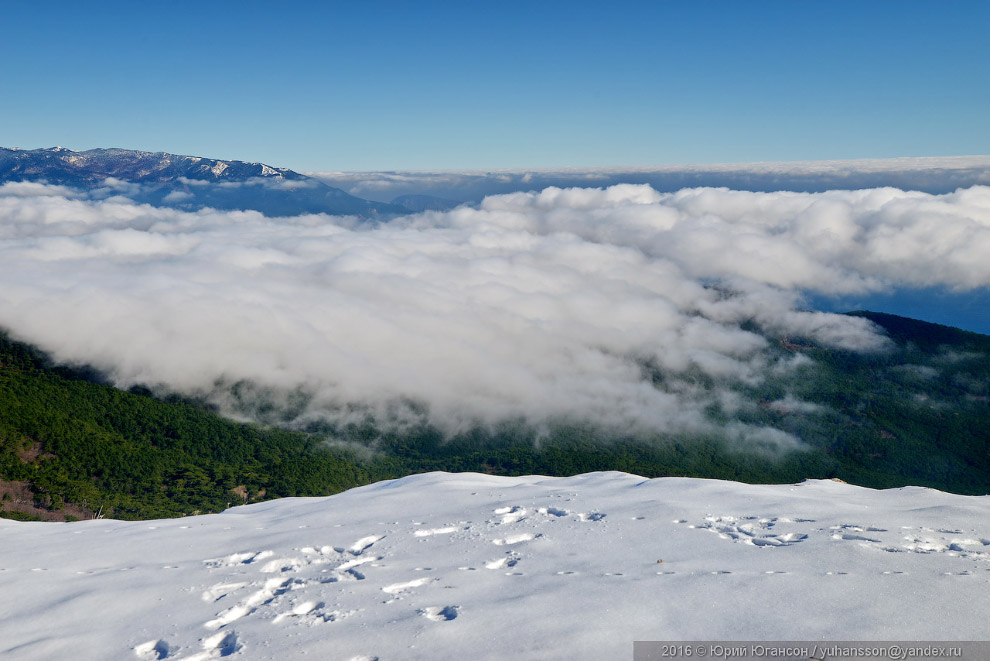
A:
621, 307
926, 174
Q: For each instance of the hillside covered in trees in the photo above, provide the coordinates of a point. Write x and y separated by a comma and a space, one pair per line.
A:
129, 455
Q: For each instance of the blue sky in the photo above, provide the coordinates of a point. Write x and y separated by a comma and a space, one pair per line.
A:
406, 85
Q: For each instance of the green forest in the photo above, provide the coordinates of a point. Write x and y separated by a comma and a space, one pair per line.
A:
79, 448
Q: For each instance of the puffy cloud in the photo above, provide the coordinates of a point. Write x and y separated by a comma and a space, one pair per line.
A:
177, 196
587, 305
33, 189
835, 242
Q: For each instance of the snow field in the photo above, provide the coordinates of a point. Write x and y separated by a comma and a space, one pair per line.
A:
442, 566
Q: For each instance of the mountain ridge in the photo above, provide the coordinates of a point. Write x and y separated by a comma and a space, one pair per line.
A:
185, 182
64, 166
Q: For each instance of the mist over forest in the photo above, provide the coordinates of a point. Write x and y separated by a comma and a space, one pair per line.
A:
622, 308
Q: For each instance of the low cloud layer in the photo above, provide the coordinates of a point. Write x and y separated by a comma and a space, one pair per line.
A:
623, 307
926, 174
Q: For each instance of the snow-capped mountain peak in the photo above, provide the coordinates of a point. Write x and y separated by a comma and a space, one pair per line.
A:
182, 181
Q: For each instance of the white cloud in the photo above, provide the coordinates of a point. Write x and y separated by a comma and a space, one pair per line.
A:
178, 196
32, 189
929, 174
535, 306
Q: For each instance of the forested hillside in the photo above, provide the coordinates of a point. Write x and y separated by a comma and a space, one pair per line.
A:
918, 414
73, 447
132, 456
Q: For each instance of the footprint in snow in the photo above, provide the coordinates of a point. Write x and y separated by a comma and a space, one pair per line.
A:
515, 539
510, 561
554, 511
751, 530
435, 531
440, 614
152, 650
222, 644
238, 559
511, 514
363, 544
396, 588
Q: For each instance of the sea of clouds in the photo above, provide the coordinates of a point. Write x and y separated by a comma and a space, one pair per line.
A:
588, 305
930, 174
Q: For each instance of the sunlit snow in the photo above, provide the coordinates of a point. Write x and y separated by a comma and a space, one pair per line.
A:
468, 566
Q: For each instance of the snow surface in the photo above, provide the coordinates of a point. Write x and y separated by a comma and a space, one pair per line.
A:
468, 566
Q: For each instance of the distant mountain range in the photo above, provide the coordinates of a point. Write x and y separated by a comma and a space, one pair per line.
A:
185, 182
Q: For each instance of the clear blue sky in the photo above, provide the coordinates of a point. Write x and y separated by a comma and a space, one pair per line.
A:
407, 85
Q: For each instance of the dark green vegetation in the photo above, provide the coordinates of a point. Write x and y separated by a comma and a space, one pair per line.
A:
918, 414
94, 446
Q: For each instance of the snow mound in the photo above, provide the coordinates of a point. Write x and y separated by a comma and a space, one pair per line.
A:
442, 566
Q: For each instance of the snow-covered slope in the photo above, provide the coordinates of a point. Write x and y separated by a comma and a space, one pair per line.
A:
469, 566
